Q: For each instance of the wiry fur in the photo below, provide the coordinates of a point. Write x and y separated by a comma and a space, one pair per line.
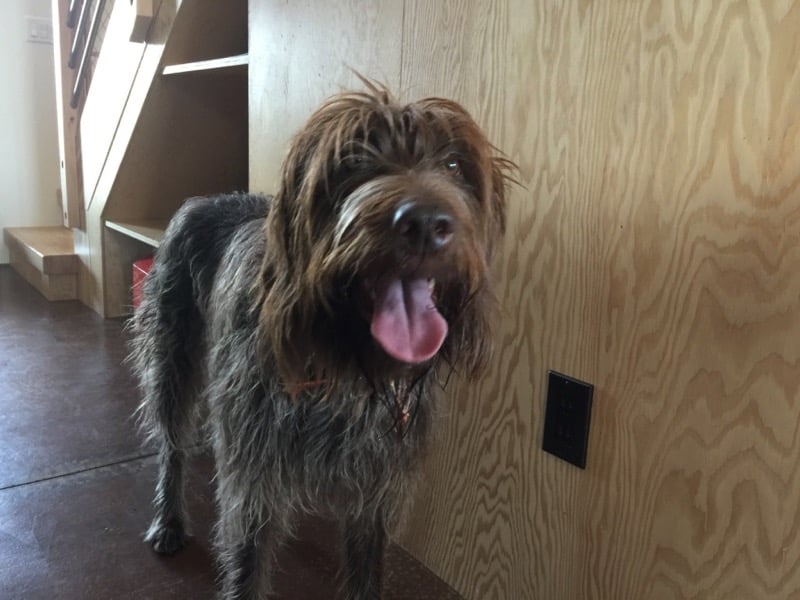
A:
254, 314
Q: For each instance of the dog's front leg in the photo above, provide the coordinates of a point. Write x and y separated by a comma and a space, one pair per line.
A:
246, 551
243, 573
364, 542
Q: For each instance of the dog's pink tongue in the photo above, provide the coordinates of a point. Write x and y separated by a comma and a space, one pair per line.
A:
406, 323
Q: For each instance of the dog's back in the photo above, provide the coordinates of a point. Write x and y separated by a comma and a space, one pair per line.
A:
194, 244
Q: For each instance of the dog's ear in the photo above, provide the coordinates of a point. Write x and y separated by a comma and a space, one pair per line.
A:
285, 313
299, 233
307, 185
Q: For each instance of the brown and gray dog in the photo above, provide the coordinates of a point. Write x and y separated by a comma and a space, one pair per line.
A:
310, 329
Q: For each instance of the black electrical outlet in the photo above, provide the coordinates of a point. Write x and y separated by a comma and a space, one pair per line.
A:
567, 417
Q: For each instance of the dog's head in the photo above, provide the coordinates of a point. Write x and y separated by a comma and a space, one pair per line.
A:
379, 239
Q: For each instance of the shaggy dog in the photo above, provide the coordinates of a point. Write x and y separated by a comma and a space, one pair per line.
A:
308, 331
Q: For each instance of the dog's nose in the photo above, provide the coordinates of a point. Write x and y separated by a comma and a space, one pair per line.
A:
423, 227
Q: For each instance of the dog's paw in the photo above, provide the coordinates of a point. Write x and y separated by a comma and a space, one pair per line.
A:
166, 538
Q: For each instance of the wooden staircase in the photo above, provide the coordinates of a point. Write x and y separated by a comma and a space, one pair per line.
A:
166, 118
46, 258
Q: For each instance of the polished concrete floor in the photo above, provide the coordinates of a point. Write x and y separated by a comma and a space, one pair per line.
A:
76, 481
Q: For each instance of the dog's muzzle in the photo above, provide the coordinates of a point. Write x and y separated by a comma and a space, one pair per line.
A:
405, 320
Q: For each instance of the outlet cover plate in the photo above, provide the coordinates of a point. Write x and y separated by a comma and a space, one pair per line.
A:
568, 414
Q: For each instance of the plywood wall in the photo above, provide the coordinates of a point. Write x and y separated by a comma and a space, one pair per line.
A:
301, 53
654, 251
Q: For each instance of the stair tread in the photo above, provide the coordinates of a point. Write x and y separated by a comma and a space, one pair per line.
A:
50, 249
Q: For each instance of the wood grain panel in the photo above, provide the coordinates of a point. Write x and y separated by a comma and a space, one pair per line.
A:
653, 252
301, 53
700, 345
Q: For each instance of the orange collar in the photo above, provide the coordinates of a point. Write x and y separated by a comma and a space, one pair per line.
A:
295, 389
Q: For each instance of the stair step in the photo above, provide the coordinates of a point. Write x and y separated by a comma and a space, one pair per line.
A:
45, 257
50, 249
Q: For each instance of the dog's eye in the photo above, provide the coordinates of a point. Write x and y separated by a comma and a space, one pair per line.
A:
353, 160
453, 165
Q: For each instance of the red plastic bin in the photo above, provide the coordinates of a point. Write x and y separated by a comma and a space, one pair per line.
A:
140, 270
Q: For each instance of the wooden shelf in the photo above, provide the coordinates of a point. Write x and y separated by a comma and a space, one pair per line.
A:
228, 62
147, 232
